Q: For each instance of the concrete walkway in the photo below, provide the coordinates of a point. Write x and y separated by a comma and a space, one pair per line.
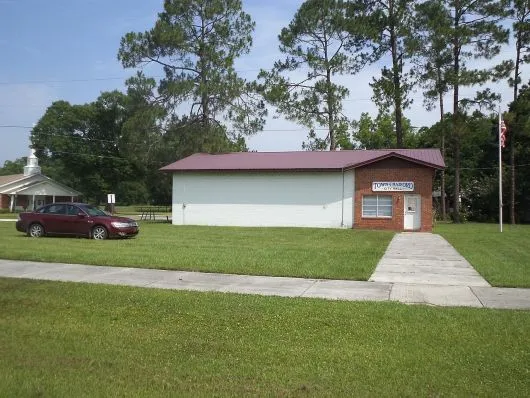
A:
468, 296
427, 259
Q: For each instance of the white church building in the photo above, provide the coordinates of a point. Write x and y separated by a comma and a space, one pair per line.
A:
32, 189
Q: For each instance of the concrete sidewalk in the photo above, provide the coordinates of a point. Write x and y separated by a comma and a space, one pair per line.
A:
427, 259
467, 296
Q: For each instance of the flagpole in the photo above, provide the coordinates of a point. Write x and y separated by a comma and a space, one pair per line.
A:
500, 172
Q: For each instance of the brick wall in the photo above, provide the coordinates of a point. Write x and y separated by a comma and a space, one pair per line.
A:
394, 169
4, 201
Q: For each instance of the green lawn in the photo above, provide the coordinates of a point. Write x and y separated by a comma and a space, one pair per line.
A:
302, 252
6, 216
68, 339
502, 258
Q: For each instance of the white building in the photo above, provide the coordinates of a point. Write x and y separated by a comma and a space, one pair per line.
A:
306, 189
32, 189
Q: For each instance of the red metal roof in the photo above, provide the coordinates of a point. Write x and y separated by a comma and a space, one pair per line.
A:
301, 160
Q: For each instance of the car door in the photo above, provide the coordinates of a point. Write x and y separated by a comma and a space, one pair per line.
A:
53, 218
79, 220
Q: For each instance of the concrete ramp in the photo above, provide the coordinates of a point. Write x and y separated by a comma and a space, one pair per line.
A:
427, 259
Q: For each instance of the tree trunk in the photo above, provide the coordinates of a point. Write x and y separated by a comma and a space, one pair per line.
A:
442, 182
512, 133
517, 63
396, 80
456, 196
205, 105
205, 115
331, 114
330, 103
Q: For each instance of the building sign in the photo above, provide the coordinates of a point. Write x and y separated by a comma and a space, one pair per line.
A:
393, 186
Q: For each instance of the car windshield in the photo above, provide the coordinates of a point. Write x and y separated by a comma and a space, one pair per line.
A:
93, 211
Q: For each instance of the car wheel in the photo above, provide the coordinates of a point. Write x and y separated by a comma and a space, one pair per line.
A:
36, 230
99, 233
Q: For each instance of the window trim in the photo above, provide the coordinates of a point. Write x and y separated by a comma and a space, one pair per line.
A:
46, 209
377, 196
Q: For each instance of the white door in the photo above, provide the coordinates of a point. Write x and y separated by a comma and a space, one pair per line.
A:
412, 219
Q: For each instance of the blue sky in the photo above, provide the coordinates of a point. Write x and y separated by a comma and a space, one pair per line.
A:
66, 49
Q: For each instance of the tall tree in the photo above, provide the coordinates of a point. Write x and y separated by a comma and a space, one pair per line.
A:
432, 61
479, 187
13, 167
519, 120
78, 144
142, 130
379, 133
99, 147
196, 43
520, 11
475, 32
386, 24
316, 40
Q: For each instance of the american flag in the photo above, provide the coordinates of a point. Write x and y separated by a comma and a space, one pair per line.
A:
503, 134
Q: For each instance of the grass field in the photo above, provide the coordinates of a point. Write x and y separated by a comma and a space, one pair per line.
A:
502, 258
67, 339
302, 252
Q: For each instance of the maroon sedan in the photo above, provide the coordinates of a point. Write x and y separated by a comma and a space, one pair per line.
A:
76, 219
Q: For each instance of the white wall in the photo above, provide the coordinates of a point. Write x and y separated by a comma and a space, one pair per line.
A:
302, 199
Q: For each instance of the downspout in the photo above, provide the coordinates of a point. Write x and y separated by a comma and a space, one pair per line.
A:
183, 197
342, 202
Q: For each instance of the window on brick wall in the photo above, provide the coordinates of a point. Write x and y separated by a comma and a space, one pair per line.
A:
377, 206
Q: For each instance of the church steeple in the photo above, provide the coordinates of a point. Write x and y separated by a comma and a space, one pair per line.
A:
32, 166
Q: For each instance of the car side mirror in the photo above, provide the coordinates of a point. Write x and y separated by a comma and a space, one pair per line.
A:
81, 214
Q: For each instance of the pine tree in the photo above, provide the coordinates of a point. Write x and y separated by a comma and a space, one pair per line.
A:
385, 26
475, 31
520, 11
196, 43
432, 61
315, 40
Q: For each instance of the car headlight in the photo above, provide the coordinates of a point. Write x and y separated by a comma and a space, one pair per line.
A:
119, 224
